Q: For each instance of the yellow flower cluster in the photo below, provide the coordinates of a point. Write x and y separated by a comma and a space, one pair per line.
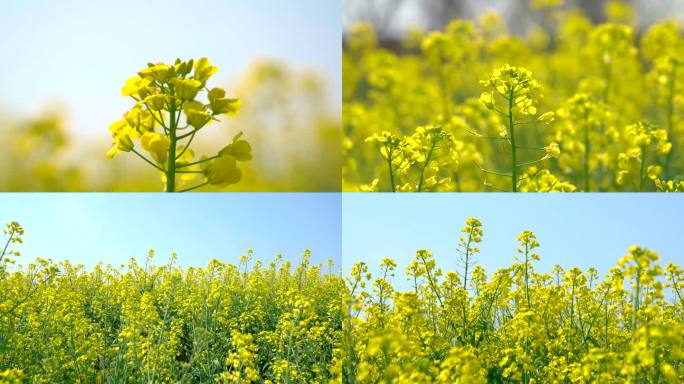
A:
598, 83
162, 94
14, 232
517, 325
413, 161
645, 140
246, 323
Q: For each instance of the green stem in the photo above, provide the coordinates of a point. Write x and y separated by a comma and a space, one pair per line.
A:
527, 276
529, 305
433, 285
606, 320
195, 187
511, 127
572, 305
154, 115
351, 352
670, 125
530, 162
4, 251
147, 160
181, 171
635, 313
422, 171
675, 287
183, 165
391, 171
186, 146
641, 168
609, 75
191, 133
586, 151
171, 160
465, 278
467, 259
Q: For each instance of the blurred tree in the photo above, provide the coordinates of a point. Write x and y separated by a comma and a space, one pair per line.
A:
440, 12
380, 13
595, 9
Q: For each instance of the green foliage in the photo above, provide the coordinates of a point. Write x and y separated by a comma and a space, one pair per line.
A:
559, 109
245, 323
516, 325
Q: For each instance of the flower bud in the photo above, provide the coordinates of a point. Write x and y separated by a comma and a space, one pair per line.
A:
552, 150
204, 70
220, 105
546, 118
140, 119
223, 171
186, 89
156, 102
160, 73
487, 99
156, 144
134, 86
654, 171
197, 119
125, 143
239, 149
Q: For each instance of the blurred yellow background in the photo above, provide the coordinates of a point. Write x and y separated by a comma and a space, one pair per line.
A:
61, 89
286, 114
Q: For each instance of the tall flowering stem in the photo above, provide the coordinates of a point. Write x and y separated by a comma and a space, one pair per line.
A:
513, 93
163, 94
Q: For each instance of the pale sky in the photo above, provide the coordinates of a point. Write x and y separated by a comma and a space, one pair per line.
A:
77, 54
89, 228
583, 230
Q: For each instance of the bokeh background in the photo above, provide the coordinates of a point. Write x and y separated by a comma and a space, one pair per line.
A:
65, 63
393, 18
399, 75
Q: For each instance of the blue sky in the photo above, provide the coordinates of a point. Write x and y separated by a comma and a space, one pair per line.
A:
581, 230
574, 229
113, 227
79, 53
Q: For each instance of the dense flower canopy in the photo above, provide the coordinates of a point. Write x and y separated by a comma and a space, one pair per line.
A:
557, 109
245, 323
517, 324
